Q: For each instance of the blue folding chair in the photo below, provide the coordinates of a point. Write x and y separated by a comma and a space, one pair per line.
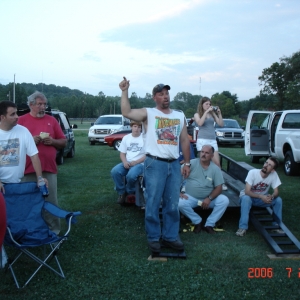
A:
26, 228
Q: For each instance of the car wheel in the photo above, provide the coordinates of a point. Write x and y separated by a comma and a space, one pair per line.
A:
117, 144
71, 154
255, 159
92, 143
291, 168
60, 159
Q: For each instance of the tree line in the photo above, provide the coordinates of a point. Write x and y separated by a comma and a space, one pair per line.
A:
280, 90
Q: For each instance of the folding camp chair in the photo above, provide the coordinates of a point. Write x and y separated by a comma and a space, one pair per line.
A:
26, 228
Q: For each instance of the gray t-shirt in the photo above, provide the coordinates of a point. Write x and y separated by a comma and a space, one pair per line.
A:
202, 181
207, 130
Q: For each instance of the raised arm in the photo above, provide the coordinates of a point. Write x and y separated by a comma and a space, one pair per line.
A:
218, 117
140, 114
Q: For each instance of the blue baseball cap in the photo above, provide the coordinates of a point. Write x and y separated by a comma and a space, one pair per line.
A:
159, 87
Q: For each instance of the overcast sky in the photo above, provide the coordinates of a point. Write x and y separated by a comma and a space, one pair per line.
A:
196, 46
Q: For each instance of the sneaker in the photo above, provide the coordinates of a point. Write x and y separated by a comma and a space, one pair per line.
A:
224, 187
122, 198
154, 246
278, 231
177, 245
241, 232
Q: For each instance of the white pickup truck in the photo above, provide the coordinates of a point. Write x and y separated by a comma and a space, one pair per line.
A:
277, 134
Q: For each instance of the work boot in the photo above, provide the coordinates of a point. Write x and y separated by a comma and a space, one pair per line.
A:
209, 230
177, 245
122, 198
197, 228
154, 246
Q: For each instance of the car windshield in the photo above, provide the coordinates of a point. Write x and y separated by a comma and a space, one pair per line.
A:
229, 124
109, 120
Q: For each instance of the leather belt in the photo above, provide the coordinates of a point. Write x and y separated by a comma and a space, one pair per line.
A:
162, 159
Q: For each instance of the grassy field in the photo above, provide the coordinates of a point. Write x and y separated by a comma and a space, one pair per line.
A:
106, 254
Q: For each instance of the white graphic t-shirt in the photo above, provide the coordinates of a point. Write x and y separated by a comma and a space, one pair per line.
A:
14, 145
133, 147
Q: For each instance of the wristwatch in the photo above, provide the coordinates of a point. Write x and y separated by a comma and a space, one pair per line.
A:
187, 164
210, 198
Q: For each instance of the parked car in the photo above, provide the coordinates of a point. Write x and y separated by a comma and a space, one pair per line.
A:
231, 133
69, 150
115, 139
105, 125
61, 117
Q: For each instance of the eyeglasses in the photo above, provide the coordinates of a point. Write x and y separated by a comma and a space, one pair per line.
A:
268, 165
41, 104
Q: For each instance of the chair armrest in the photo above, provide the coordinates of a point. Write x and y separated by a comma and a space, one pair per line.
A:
60, 213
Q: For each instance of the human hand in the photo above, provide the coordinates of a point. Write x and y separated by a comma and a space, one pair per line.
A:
183, 196
47, 141
124, 84
205, 203
2, 188
186, 171
126, 165
37, 139
267, 198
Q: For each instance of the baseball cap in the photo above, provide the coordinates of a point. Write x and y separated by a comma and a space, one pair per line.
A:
159, 87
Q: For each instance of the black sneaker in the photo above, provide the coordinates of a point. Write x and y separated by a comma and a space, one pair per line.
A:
177, 245
122, 198
154, 246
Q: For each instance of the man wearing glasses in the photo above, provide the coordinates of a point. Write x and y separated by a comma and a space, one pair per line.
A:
258, 183
48, 137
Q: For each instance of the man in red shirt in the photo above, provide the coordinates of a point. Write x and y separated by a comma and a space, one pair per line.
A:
48, 137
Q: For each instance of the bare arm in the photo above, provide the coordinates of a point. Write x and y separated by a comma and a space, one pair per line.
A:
36, 163
140, 114
218, 117
126, 164
185, 147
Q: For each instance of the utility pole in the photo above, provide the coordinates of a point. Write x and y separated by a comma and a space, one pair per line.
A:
14, 90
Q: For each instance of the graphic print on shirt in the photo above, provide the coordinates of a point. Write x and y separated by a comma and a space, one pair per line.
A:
259, 187
9, 152
167, 130
134, 147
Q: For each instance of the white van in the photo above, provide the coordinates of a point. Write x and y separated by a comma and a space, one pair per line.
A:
105, 125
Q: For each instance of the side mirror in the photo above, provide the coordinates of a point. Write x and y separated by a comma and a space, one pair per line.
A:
92, 124
243, 127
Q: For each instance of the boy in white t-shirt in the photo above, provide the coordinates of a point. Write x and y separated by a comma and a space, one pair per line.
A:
132, 156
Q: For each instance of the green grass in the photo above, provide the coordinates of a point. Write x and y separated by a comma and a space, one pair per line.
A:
106, 254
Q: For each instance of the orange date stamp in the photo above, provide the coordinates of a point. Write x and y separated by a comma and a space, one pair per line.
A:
269, 272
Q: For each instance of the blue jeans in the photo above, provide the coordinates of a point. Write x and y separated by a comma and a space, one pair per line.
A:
119, 172
246, 203
218, 205
162, 184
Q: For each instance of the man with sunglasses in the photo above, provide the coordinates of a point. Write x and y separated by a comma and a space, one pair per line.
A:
256, 193
48, 137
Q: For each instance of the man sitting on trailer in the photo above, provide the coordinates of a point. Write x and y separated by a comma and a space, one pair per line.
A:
258, 183
204, 187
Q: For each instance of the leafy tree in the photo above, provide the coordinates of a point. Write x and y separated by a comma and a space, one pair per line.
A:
282, 79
